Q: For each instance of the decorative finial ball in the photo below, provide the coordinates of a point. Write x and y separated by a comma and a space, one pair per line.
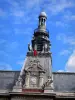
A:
43, 14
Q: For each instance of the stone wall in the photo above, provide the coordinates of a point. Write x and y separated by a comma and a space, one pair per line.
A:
63, 81
28, 96
38, 96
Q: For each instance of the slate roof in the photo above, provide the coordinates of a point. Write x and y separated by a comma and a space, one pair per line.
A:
63, 81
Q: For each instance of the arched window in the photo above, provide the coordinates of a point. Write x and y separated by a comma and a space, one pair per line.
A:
44, 20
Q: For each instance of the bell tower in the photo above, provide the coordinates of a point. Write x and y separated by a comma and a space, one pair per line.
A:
36, 73
41, 35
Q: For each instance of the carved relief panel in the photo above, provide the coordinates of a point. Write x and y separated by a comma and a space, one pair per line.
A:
34, 75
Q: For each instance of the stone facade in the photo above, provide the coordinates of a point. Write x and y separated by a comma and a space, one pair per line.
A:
36, 74
36, 81
37, 96
28, 96
64, 86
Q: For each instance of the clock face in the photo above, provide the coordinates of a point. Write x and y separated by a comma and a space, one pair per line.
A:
33, 80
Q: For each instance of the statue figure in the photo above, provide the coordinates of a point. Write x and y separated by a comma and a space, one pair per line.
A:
29, 47
47, 83
19, 82
45, 47
35, 47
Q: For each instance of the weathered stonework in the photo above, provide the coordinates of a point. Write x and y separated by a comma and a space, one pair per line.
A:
64, 86
37, 70
36, 81
27, 96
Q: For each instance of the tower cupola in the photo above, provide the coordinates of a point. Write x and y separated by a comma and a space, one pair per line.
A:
41, 35
42, 20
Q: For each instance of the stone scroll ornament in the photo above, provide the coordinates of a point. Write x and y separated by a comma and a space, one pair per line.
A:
49, 81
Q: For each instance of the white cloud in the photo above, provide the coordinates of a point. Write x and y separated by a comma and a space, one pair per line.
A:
23, 7
20, 62
24, 11
16, 8
69, 16
60, 23
56, 7
70, 65
33, 6
64, 52
5, 66
70, 39
27, 31
60, 71
18, 13
13, 3
32, 3
22, 18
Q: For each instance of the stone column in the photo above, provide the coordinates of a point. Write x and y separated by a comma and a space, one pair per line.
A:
41, 80
27, 80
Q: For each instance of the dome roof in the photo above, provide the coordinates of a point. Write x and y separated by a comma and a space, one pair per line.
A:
43, 14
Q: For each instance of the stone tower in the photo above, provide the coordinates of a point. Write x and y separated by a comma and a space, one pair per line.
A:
36, 73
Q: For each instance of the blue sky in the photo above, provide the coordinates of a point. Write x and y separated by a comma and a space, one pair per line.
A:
19, 18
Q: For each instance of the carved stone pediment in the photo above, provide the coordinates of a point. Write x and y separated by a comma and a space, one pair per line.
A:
35, 66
